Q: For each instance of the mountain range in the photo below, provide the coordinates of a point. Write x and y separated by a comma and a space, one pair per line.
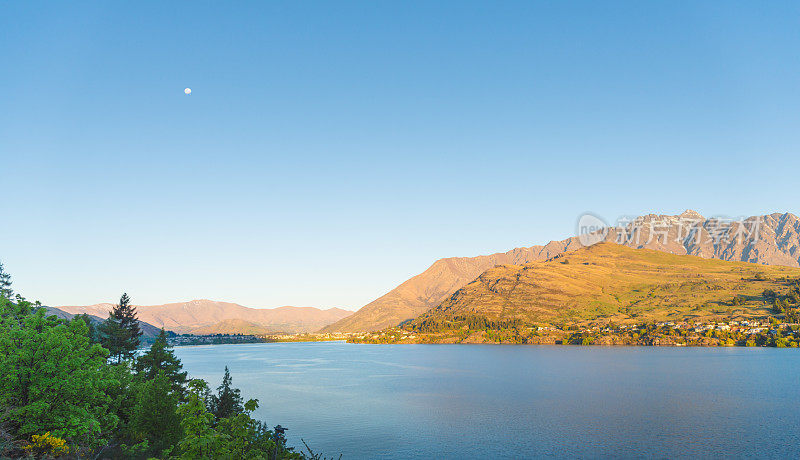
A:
149, 331
772, 239
211, 317
618, 284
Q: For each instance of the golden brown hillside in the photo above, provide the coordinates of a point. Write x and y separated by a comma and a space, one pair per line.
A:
428, 289
616, 283
778, 243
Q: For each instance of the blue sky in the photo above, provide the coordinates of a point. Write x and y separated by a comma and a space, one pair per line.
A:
329, 151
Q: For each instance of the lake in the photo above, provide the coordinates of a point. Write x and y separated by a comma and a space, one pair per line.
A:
480, 402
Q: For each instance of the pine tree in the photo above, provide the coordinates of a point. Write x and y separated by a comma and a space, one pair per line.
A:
161, 358
155, 417
120, 332
5, 284
228, 400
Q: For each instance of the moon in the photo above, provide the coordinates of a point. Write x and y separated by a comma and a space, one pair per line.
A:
188, 91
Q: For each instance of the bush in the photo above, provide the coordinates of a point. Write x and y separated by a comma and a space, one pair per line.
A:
47, 445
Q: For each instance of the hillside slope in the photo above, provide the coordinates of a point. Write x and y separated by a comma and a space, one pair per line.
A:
234, 326
431, 287
777, 243
208, 315
615, 283
148, 330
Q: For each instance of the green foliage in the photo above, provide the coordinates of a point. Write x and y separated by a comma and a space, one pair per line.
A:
579, 338
120, 332
493, 330
155, 418
473, 323
59, 396
5, 284
247, 438
123, 393
238, 436
54, 379
228, 400
160, 358
200, 440
93, 334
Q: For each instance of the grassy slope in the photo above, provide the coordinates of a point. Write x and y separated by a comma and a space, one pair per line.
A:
616, 283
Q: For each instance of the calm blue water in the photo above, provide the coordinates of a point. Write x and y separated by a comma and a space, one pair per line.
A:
473, 401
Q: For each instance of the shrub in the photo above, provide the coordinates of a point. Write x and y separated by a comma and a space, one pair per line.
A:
47, 444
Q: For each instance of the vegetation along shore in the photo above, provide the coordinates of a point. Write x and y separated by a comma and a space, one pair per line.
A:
70, 390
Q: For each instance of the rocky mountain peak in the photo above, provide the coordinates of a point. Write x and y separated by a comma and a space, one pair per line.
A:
691, 214
768, 240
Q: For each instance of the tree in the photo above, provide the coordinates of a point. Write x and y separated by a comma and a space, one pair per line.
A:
200, 440
120, 332
123, 393
247, 438
236, 437
53, 378
92, 330
161, 358
155, 418
5, 284
60, 396
228, 400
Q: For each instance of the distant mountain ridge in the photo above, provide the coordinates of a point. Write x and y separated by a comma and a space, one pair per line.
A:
211, 317
148, 330
778, 243
234, 326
